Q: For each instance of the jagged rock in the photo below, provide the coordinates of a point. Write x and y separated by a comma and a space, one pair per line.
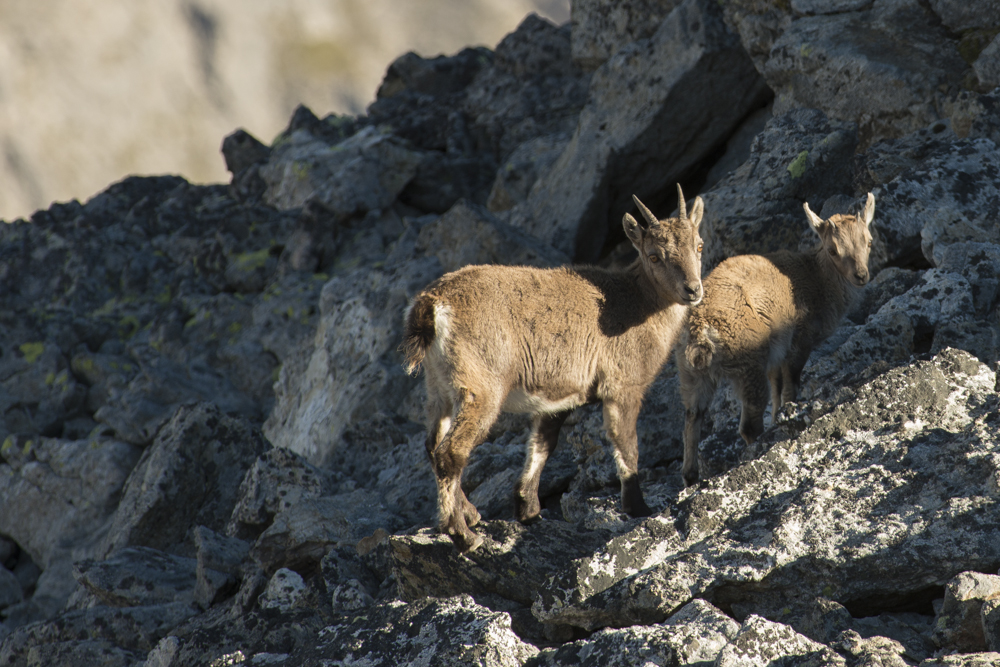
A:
187, 477
85, 653
57, 497
760, 643
453, 631
135, 628
693, 636
278, 480
987, 65
301, 535
656, 110
362, 173
800, 156
705, 545
140, 576
216, 554
959, 625
889, 631
601, 28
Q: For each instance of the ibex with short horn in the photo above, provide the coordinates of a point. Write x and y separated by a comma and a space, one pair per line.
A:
761, 317
544, 341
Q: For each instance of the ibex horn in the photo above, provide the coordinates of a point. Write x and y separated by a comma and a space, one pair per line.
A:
646, 213
681, 204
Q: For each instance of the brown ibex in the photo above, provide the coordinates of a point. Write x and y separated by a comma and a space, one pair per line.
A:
761, 317
498, 339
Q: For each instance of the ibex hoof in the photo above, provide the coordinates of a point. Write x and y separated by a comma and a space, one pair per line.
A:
690, 479
467, 543
639, 510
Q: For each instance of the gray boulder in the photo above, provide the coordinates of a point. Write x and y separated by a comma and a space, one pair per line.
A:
961, 623
140, 576
601, 28
188, 477
761, 643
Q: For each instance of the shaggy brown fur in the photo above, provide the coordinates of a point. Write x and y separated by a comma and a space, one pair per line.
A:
543, 341
761, 317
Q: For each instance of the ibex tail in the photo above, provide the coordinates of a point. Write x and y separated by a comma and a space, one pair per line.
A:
700, 347
418, 332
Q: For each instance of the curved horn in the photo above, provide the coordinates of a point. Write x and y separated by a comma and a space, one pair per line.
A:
646, 213
681, 204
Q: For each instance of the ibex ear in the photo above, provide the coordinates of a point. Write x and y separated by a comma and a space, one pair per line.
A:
870, 210
697, 211
817, 223
632, 230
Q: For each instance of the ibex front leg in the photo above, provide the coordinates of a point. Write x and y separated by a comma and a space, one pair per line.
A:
544, 436
620, 415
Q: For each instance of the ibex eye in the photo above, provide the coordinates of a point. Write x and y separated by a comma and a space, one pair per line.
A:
700, 246
869, 244
833, 251
654, 259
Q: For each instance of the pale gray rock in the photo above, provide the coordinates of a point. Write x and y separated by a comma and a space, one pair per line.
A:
285, 591
188, 477
761, 643
871, 652
656, 109
695, 635
85, 653
912, 423
963, 660
217, 554
959, 626
360, 174
601, 28
434, 632
278, 480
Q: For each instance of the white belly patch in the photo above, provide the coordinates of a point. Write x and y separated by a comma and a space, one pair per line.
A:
520, 401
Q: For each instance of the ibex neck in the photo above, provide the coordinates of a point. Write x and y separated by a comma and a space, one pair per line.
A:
840, 290
655, 298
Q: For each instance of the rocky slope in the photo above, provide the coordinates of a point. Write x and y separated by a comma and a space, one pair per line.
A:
211, 455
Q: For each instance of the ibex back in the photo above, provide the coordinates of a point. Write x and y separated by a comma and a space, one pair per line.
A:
542, 342
761, 317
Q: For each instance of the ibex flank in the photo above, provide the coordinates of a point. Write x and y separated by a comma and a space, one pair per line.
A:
498, 339
761, 317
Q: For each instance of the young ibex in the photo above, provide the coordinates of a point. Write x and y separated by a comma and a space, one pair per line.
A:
761, 317
543, 342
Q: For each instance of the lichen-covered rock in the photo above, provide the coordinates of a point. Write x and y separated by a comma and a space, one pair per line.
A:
434, 632
760, 643
688, 85
895, 443
695, 635
140, 576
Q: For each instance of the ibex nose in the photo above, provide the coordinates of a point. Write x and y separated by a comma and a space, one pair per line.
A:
692, 292
861, 277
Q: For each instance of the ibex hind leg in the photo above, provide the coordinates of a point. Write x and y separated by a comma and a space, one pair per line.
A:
475, 414
697, 391
620, 415
543, 440
752, 390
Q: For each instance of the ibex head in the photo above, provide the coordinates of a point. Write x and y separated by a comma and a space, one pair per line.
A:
847, 239
670, 249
